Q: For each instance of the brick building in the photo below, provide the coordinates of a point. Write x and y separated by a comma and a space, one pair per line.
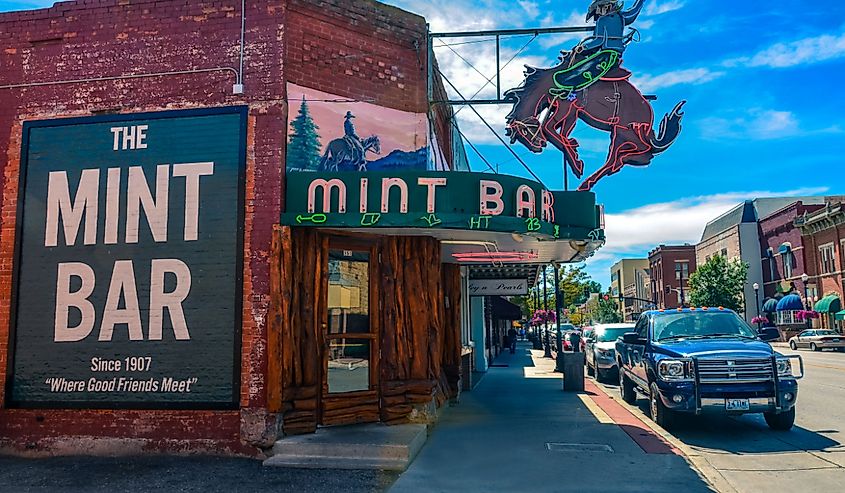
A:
783, 253
823, 233
670, 267
247, 311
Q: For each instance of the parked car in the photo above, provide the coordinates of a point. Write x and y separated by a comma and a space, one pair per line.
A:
565, 330
706, 361
818, 340
586, 333
600, 349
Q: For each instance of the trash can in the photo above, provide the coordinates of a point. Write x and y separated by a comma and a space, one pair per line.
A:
573, 371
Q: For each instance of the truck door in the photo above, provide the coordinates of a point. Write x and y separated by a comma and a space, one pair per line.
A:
638, 366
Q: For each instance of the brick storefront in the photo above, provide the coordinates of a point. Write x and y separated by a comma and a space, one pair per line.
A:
118, 56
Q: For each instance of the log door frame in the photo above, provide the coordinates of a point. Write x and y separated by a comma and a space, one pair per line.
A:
357, 406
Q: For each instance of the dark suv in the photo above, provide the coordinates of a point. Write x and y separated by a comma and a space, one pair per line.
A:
706, 361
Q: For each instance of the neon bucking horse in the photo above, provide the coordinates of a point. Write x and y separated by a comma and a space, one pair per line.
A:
590, 85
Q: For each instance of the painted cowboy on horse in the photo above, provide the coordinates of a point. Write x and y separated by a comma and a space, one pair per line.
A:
590, 84
350, 150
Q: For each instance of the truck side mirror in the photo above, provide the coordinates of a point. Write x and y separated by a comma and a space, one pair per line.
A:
632, 338
768, 334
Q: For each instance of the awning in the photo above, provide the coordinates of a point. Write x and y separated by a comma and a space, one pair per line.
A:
785, 247
502, 309
790, 302
828, 304
770, 305
840, 315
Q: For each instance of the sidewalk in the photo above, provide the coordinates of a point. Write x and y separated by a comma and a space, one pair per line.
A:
499, 438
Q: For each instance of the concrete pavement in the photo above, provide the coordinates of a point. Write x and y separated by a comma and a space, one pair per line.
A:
518, 431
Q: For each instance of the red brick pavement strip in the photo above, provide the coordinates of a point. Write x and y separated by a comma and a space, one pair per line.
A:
645, 437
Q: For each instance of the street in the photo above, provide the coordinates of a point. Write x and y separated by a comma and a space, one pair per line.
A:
745, 455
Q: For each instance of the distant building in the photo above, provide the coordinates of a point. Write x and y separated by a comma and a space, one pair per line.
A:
639, 294
782, 248
824, 253
623, 274
736, 235
670, 267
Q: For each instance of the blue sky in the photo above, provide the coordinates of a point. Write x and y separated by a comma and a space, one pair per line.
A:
764, 111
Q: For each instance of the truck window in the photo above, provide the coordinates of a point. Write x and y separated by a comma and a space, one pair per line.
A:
701, 324
642, 327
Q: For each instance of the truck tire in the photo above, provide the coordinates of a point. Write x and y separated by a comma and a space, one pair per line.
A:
782, 421
590, 370
659, 413
626, 388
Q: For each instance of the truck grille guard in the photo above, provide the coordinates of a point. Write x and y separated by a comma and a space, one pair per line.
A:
775, 378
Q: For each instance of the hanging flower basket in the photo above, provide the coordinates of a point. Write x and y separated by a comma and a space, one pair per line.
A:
542, 317
806, 315
759, 320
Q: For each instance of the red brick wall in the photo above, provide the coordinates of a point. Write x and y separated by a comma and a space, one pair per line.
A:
662, 261
776, 230
106, 38
358, 49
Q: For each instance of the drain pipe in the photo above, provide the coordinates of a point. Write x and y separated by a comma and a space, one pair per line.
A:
238, 88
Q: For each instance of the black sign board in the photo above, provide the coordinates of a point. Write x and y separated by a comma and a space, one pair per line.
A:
128, 277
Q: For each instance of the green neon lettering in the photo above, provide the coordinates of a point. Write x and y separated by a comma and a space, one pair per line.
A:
532, 223
432, 220
370, 218
313, 218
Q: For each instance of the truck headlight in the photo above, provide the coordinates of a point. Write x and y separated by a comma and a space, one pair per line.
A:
784, 367
673, 370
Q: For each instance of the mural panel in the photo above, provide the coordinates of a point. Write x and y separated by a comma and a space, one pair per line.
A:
129, 278
327, 132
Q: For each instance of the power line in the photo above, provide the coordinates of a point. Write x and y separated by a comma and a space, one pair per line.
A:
491, 129
455, 124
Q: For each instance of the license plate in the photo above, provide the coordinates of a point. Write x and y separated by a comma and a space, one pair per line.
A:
736, 405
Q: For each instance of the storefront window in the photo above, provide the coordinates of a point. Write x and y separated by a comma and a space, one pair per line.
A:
348, 330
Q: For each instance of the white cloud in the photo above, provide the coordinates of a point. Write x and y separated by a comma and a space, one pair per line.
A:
657, 7
753, 124
803, 51
635, 232
530, 8
647, 82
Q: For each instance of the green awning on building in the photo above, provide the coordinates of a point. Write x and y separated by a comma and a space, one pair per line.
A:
840, 315
828, 304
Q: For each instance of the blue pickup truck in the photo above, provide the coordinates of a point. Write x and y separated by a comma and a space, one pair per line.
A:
706, 360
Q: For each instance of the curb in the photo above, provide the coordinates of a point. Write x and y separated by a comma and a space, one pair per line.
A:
699, 463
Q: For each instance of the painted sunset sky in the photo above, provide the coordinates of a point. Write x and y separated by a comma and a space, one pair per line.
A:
397, 130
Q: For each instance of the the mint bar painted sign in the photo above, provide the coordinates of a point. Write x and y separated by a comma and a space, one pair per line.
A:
447, 200
128, 274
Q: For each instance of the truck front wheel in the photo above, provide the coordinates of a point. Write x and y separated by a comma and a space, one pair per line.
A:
780, 421
626, 388
659, 413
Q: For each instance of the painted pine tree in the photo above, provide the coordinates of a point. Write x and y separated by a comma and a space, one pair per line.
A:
304, 145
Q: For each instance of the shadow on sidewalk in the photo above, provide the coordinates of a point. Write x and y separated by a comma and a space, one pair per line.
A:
518, 431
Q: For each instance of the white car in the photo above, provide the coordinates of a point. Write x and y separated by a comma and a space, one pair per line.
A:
600, 349
818, 339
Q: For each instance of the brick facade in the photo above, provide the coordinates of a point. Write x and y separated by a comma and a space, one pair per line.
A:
775, 230
823, 228
662, 269
170, 54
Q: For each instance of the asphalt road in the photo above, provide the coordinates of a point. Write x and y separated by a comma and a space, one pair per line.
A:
751, 458
177, 474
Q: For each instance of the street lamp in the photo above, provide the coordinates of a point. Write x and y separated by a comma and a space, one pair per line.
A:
804, 279
757, 302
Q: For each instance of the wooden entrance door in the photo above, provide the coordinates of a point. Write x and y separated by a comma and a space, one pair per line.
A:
350, 335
